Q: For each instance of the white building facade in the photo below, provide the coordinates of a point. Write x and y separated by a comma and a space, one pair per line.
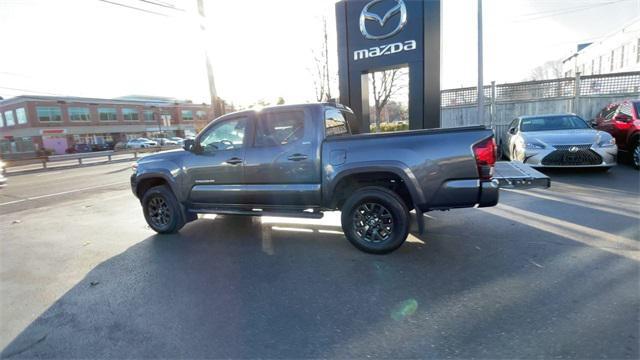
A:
617, 52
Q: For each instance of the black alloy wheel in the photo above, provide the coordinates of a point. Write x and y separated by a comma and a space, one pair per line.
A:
162, 210
375, 220
159, 212
373, 223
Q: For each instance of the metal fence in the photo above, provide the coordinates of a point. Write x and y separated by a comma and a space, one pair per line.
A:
620, 83
583, 95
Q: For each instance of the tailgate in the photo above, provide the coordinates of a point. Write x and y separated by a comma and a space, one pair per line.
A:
515, 175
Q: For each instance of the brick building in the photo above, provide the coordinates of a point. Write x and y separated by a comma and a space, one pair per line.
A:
29, 123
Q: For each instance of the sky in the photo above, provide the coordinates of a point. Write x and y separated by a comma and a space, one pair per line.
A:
261, 49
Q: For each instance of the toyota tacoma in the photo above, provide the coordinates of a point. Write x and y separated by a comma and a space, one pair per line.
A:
302, 160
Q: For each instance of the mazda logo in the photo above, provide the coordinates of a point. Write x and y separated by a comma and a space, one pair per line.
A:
367, 15
574, 149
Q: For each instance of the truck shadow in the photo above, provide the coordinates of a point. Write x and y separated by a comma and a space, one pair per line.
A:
235, 287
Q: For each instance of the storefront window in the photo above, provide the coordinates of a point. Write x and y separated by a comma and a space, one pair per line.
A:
21, 114
79, 114
201, 115
9, 119
130, 114
187, 115
49, 113
17, 145
107, 114
148, 115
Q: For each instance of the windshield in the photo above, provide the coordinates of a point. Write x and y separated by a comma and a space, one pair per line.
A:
547, 123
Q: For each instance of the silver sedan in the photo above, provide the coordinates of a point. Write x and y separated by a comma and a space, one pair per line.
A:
558, 140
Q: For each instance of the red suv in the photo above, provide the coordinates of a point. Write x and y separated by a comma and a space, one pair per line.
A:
622, 121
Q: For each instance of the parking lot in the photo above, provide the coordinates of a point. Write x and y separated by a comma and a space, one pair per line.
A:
547, 273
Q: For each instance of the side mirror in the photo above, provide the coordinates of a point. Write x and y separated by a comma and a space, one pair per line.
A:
190, 145
512, 131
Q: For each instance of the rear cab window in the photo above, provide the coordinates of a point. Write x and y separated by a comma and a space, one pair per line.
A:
279, 128
335, 123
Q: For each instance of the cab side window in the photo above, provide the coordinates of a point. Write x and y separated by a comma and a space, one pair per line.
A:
278, 128
225, 135
335, 123
626, 109
611, 112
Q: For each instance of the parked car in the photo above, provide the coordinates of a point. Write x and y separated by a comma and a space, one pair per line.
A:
622, 121
302, 160
178, 140
102, 147
164, 141
3, 179
558, 140
79, 148
140, 143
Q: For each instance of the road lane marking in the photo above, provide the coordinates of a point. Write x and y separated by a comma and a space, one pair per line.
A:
49, 173
576, 202
62, 193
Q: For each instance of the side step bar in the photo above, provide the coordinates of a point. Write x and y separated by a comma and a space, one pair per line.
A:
296, 214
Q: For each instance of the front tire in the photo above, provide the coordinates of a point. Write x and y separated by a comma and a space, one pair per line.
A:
161, 210
375, 220
635, 155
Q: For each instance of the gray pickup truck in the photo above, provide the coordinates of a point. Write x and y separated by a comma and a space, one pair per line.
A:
301, 160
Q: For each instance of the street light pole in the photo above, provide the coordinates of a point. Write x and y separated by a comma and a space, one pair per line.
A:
480, 67
212, 84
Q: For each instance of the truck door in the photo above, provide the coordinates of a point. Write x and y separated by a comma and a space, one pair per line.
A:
283, 166
215, 173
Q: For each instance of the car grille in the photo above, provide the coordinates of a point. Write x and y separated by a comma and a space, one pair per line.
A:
563, 156
567, 147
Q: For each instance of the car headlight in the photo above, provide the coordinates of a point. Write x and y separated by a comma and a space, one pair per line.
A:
607, 142
533, 146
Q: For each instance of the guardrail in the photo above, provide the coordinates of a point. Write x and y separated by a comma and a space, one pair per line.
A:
108, 155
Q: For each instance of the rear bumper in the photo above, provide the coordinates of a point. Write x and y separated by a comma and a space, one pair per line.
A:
463, 194
489, 193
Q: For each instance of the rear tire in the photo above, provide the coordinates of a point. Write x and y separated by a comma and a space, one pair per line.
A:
161, 210
375, 220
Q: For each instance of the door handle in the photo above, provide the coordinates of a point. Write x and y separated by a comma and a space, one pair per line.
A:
297, 157
234, 161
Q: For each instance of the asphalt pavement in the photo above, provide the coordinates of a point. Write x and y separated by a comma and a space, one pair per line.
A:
546, 274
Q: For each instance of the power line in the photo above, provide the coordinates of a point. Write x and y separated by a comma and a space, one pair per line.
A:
168, 6
30, 91
546, 14
134, 8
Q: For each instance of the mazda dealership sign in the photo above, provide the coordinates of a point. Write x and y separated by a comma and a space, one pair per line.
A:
375, 35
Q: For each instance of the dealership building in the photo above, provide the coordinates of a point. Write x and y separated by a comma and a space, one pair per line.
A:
30, 123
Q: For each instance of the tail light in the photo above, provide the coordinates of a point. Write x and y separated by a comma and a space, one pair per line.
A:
485, 154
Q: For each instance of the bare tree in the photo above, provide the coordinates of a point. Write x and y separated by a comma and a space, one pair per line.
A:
547, 71
320, 71
385, 85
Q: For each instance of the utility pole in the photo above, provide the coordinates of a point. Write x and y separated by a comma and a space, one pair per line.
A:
212, 84
480, 67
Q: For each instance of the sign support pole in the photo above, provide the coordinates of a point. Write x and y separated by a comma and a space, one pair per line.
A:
480, 67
